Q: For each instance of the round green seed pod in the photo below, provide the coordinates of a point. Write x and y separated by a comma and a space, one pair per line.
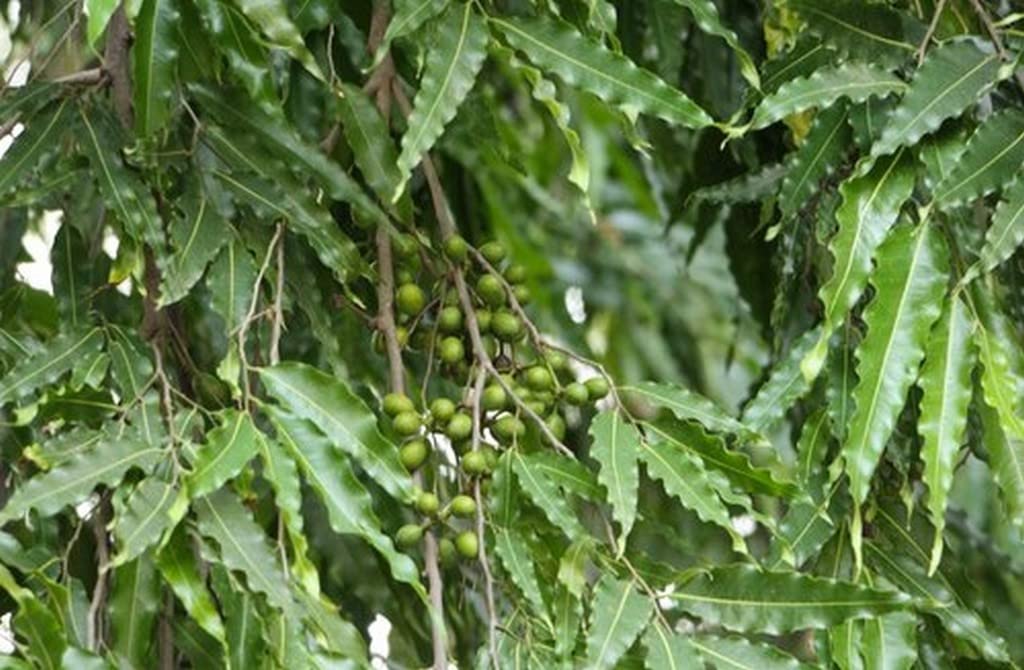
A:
410, 299
466, 544
493, 251
459, 427
446, 550
408, 535
490, 290
508, 427
413, 453
442, 409
396, 403
522, 294
405, 245
539, 378
483, 320
556, 424
506, 326
474, 463
493, 398
576, 394
463, 506
597, 388
407, 423
456, 248
451, 350
427, 504
449, 319
515, 274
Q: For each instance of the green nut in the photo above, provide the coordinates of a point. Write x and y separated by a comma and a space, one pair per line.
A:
463, 506
396, 403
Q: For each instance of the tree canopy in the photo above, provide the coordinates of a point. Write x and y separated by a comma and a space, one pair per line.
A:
605, 334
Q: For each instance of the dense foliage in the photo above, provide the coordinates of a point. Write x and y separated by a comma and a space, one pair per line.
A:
663, 334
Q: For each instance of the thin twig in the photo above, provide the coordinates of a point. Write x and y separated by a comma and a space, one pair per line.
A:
492, 617
277, 321
98, 604
939, 7
993, 32
117, 65
251, 315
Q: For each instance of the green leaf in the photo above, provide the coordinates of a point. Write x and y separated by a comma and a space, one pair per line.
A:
242, 622
271, 16
179, 568
736, 652
99, 12
684, 477
409, 16
228, 448
711, 449
572, 566
871, 204
688, 405
952, 77
124, 192
706, 15
618, 615
349, 506
545, 495
1000, 384
872, 32
910, 279
992, 158
372, 147
231, 282
42, 134
134, 601
825, 145
452, 63
844, 642
196, 239
946, 385
515, 555
569, 474
741, 598
280, 470
243, 546
852, 80
73, 480
343, 417
142, 518
668, 650
1004, 236
49, 364
616, 447
555, 46
812, 447
568, 615
249, 134
35, 622
247, 56
154, 56
890, 642
785, 385
906, 566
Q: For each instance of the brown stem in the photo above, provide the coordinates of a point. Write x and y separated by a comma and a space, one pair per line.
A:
485, 567
277, 321
386, 322
165, 634
117, 66
941, 5
98, 604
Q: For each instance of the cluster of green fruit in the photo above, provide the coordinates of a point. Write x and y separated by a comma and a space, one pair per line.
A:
541, 382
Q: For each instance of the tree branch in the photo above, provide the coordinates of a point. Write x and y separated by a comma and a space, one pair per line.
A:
117, 66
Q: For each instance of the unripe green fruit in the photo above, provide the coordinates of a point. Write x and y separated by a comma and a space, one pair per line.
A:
442, 409
404, 245
408, 535
456, 248
493, 251
407, 423
491, 456
451, 350
463, 506
506, 326
460, 427
404, 276
449, 319
556, 424
410, 299
522, 295
446, 550
490, 290
427, 504
576, 394
466, 544
557, 361
402, 335
597, 388
483, 320
537, 406
413, 453
474, 463
515, 274
508, 427
539, 378
396, 403
493, 398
